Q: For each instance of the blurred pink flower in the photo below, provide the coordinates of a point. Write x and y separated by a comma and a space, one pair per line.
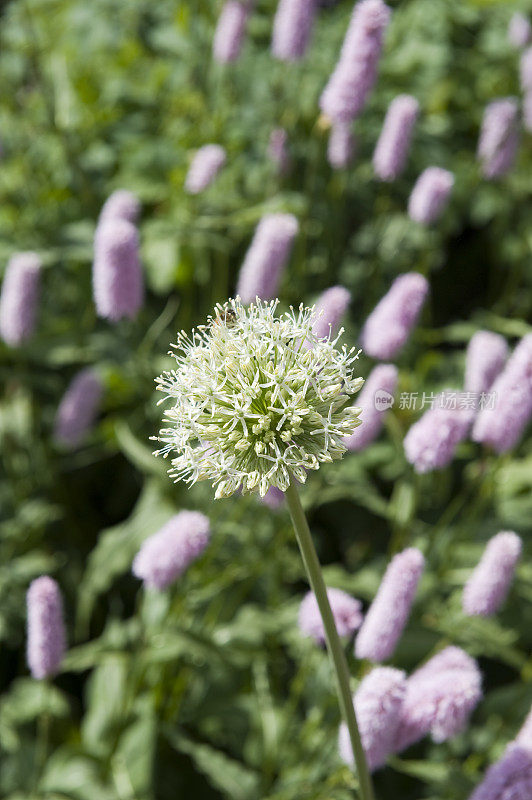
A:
389, 612
393, 144
19, 298
267, 256
204, 168
347, 613
292, 28
430, 195
46, 631
389, 325
117, 280
78, 408
230, 30
375, 399
486, 589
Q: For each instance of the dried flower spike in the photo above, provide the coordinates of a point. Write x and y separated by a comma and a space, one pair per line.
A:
19, 298
389, 612
46, 631
164, 556
250, 405
266, 258
347, 612
486, 589
230, 30
292, 28
378, 703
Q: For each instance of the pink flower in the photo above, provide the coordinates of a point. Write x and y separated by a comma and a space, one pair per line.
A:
278, 151
509, 779
486, 589
440, 696
501, 423
519, 30
347, 613
121, 205
431, 441
356, 71
19, 298
46, 630
165, 555
341, 146
430, 195
375, 399
377, 703
499, 137
267, 256
389, 325
392, 147
117, 280
389, 612
330, 308
292, 28
78, 408
485, 357
204, 168
230, 31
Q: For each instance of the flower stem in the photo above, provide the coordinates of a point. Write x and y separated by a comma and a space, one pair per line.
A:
334, 646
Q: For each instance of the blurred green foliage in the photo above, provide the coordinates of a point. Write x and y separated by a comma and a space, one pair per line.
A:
209, 690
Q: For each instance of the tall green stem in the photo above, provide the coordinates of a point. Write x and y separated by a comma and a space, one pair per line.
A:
334, 646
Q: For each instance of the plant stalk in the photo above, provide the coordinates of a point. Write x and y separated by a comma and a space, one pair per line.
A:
334, 646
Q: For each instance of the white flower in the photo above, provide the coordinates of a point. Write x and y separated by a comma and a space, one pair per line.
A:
256, 398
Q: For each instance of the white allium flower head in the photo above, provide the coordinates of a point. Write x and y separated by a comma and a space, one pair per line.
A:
252, 404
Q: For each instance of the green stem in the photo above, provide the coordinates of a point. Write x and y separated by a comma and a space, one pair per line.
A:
334, 646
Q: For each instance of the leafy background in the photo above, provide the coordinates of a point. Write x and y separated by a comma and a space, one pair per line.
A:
208, 688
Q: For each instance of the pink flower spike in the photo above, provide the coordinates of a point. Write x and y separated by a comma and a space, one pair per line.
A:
500, 424
204, 168
519, 30
278, 150
165, 555
347, 613
230, 30
19, 298
78, 408
341, 146
431, 442
392, 147
377, 703
330, 308
509, 779
355, 74
46, 630
117, 280
499, 137
439, 699
389, 612
486, 589
430, 195
389, 325
292, 28
120, 205
266, 258
376, 398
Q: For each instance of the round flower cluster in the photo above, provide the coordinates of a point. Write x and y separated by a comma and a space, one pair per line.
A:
257, 398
